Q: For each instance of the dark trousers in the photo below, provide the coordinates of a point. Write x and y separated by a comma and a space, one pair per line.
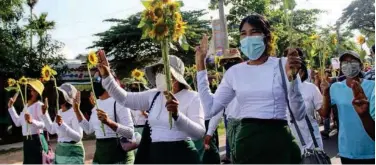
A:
357, 161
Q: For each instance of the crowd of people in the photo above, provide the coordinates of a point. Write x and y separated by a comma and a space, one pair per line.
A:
270, 107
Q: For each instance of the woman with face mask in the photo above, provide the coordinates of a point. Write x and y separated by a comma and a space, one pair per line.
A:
32, 123
69, 149
355, 101
168, 145
107, 147
263, 135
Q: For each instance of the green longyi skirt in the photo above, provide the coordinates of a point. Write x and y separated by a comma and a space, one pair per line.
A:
265, 141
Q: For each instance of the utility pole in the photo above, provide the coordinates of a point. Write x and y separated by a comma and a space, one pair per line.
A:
223, 19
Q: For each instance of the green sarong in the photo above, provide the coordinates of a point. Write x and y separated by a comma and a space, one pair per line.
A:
199, 144
211, 156
179, 152
233, 127
109, 151
266, 141
67, 153
32, 149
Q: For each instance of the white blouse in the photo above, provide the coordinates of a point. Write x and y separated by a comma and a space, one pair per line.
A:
138, 118
124, 120
189, 125
35, 110
207, 98
258, 90
69, 130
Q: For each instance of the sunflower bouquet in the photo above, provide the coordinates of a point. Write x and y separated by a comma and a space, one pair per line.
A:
47, 73
17, 86
162, 22
92, 61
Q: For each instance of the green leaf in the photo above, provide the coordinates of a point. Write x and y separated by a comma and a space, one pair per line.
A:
146, 3
11, 89
141, 24
183, 42
180, 3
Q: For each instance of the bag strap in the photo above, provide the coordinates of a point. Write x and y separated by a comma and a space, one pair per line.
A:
152, 102
292, 115
115, 112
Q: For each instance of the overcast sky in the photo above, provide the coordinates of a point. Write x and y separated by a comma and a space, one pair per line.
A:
77, 20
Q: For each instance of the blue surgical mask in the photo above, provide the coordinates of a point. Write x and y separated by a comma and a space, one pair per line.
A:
253, 46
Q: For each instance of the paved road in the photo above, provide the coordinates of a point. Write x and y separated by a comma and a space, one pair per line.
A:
15, 157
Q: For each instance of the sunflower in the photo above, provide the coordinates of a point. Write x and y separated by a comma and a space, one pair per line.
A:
149, 15
158, 11
11, 82
361, 40
166, 1
159, 31
217, 59
194, 67
47, 72
23, 80
179, 30
92, 59
137, 74
172, 6
178, 16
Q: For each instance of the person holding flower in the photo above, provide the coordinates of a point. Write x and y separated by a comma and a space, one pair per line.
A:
108, 148
264, 135
355, 101
168, 145
69, 149
31, 121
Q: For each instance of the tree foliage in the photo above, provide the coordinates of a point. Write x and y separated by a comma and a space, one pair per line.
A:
360, 14
123, 42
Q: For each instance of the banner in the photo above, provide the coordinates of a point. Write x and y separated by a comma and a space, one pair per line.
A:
335, 63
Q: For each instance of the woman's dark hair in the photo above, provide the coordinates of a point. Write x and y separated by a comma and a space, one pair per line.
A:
305, 71
258, 21
182, 86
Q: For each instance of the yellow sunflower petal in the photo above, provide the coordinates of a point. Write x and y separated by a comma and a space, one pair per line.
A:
92, 59
11, 82
23, 80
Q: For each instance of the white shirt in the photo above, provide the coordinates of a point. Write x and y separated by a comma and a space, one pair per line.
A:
69, 130
35, 110
206, 96
313, 101
259, 92
138, 118
190, 123
124, 120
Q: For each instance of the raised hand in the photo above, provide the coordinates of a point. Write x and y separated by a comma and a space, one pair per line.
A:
45, 106
201, 52
77, 101
294, 62
92, 99
360, 101
324, 86
10, 103
104, 70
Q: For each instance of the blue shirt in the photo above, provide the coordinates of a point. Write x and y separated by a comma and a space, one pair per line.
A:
354, 142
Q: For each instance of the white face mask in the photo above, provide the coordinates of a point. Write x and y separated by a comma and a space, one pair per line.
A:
160, 82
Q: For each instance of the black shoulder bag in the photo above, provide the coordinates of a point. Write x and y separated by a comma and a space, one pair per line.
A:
310, 156
143, 151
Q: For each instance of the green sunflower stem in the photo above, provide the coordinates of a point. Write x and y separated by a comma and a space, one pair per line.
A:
24, 107
166, 64
57, 95
95, 98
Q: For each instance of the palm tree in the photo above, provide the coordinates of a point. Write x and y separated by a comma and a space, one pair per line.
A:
31, 4
41, 26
